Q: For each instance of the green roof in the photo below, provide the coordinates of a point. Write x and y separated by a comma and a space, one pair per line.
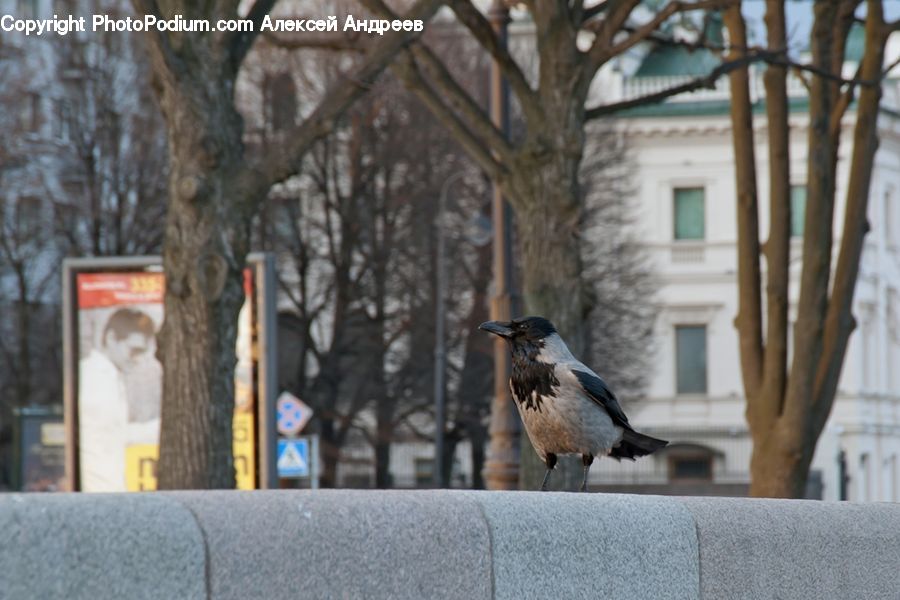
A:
669, 60
666, 61
702, 108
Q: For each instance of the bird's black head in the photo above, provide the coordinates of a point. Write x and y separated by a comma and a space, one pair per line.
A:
524, 330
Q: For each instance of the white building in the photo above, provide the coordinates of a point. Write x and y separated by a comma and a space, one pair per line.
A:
686, 193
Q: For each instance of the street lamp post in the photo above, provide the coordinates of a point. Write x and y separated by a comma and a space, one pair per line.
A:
440, 348
501, 469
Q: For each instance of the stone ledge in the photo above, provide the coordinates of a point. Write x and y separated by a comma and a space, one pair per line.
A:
99, 546
563, 545
343, 544
797, 549
442, 544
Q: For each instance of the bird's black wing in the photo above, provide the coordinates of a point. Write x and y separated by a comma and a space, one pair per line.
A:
597, 390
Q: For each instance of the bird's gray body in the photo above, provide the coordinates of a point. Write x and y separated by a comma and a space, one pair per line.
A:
551, 426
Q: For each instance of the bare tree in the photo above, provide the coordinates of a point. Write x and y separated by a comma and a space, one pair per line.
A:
356, 230
29, 355
539, 169
115, 149
620, 283
214, 191
82, 173
789, 399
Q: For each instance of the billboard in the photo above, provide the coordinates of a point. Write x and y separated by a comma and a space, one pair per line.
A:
114, 380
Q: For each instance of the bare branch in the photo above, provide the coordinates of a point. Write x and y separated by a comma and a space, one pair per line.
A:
601, 49
698, 83
482, 31
467, 112
242, 41
461, 101
839, 321
843, 103
812, 303
749, 317
281, 162
617, 12
767, 405
406, 68
159, 46
321, 41
589, 13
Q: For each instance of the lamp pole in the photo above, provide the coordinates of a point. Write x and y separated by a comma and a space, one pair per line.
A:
440, 348
501, 469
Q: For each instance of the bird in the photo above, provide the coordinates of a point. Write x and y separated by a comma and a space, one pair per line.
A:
565, 406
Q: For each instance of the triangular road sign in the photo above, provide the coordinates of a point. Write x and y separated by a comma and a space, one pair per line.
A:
293, 458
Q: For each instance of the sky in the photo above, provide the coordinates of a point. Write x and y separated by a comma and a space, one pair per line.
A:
799, 17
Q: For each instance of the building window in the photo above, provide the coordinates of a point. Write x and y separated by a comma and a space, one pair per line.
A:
27, 9
281, 101
28, 213
424, 468
690, 359
30, 112
690, 463
65, 216
689, 214
690, 468
889, 218
61, 119
798, 209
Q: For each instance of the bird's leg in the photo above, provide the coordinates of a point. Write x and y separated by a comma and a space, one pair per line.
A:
550, 461
586, 460
544, 482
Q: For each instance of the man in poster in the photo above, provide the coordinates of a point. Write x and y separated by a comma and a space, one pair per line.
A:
120, 382
119, 389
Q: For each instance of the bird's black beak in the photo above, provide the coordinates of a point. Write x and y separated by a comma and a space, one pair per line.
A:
497, 328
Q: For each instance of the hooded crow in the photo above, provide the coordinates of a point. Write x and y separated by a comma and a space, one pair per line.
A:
566, 407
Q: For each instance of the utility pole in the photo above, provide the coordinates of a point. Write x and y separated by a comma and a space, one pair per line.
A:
501, 469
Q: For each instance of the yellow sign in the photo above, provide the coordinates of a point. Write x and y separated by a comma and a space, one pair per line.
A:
244, 443
140, 460
140, 467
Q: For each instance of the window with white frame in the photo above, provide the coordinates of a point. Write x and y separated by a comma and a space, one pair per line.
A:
688, 206
889, 218
798, 210
690, 359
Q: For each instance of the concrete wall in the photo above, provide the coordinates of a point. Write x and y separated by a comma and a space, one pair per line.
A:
440, 544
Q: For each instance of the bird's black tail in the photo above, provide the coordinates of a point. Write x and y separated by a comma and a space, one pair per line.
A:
636, 444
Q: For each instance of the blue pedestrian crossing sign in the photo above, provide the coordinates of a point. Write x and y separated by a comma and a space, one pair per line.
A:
293, 458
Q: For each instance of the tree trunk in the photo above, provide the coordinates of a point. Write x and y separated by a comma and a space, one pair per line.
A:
478, 439
24, 371
787, 413
329, 450
206, 242
548, 218
779, 465
384, 433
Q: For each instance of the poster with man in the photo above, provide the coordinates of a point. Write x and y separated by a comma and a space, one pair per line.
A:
119, 391
119, 377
